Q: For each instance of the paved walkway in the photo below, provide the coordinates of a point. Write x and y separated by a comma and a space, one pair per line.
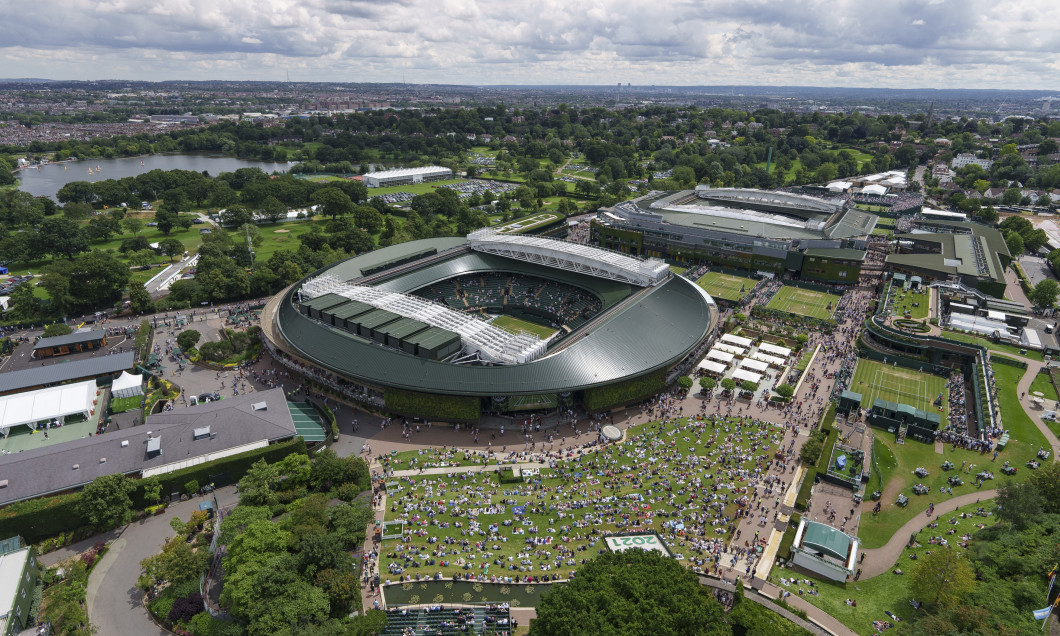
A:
113, 600
880, 560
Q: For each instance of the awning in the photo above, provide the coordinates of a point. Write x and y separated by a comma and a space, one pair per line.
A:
765, 357
730, 348
744, 374
754, 365
46, 404
713, 367
736, 340
720, 356
774, 349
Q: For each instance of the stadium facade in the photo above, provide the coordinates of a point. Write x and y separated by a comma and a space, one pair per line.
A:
424, 328
406, 176
757, 230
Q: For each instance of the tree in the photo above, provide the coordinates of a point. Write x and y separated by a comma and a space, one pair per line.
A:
1044, 293
256, 486
142, 258
728, 384
133, 225
139, 299
1047, 481
630, 592
166, 221
24, 304
236, 215
177, 562
708, 384
1014, 242
188, 339
272, 209
332, 201
749, 386
57, 329
942, 578
171, 247
152, 489
685, 382
106, 501
785, 391
100, 280
101, 228
1019, 504
60, 237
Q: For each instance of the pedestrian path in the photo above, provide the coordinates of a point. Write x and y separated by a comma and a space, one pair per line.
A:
880, 560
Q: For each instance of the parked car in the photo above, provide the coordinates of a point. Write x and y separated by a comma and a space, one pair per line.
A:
152, 224
213, 397
198, 220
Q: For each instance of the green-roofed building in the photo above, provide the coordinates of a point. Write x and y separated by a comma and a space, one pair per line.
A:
399, 333
974, 254
757, 230
824, 550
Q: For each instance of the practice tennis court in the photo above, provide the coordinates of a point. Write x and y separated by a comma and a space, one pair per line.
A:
804, 302
897, 384
307, 422
726, 286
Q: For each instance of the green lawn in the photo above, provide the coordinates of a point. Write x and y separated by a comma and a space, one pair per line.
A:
678, 270
120, 405
903, 301
415, 188
277, 237
527, 223
875, 531
898, 384
1043, 384
726, 286
435, 457
645, 478
888, 591
516, 325
990, 344
804, 302
789, 174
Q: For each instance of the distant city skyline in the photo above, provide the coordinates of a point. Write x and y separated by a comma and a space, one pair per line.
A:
887, 44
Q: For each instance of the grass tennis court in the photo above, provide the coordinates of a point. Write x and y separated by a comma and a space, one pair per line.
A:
898, 384
804, 302
307, 422
726, 286
516, 325
120, 405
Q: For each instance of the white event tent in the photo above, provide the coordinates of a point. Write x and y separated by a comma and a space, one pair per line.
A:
54, 403
744, 374
720, 356
765, 357
753, 365
712, 367
774, 349
736, 340
730, 348
127, 385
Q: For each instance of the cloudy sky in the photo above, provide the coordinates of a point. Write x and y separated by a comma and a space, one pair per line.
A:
880, 43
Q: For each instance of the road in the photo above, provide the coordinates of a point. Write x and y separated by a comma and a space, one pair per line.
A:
112, 597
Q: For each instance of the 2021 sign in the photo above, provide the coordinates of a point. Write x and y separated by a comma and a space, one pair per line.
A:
650, 542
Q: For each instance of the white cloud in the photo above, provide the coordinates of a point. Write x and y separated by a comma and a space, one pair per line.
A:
974, 43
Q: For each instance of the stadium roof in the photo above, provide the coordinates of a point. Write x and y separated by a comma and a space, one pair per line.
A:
234, 424
66, 371
837, 252
77, 337
974, 254
583, 259
654, 329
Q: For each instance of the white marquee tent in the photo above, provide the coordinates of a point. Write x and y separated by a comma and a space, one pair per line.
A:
127, 385
720, 356
744, 374
765, 357
737, 340
712, 367
774, 349
754, 365
55, 403
730, 348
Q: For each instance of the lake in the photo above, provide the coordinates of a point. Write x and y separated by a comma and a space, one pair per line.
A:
51, 177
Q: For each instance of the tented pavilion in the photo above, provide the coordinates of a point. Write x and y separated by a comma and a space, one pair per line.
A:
743, 375
127, 385
715, 368
775, 350
53, 404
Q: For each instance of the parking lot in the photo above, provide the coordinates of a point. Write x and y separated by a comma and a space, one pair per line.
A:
1037, 269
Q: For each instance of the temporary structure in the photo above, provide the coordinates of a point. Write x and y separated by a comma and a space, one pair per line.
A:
127, 385
53, 403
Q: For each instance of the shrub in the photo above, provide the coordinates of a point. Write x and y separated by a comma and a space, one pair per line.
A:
707, 384
184, 608
785, 391
191, 487
347, 492
685, 382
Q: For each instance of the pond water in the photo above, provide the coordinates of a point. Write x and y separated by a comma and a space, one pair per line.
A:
51, 177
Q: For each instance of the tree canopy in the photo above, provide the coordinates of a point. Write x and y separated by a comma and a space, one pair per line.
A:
633, 592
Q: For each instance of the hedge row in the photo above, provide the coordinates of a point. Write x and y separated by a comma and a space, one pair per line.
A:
38, 519
624, 392
1012, 362
431, 406
329, 417
803, 498
233, 467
